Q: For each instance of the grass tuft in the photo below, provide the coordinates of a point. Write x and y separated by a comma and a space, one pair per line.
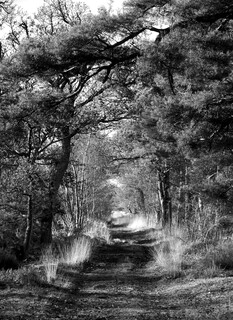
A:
169, 253
170, 256
98, 230
50, 262
78, 251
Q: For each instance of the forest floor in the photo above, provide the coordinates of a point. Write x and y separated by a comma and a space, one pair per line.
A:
120, 292
117, 284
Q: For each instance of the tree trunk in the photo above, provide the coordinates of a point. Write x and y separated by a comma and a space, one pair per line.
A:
76, 205
57, 173
164, 196
184, 200
28, 232
141, 200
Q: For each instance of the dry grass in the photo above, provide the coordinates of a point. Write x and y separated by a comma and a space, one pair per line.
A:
169, 252
50, 263
98, 230
169, 257
73, 253
78, 251
138, 222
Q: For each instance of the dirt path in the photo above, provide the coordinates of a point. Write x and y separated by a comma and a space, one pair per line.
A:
106, 290
115, 284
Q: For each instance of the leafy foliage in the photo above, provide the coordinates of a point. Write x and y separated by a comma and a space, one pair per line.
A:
70, 77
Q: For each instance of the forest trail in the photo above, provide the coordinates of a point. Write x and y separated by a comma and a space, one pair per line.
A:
116, 284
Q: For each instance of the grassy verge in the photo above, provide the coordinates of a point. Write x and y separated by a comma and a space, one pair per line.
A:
46, 271
209, 259
174, 255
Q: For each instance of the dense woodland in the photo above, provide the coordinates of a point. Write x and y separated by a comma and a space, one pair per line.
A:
130, 109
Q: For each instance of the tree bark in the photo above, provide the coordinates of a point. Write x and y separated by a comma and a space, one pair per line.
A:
57, 173
164, 196
28, 232
141, 200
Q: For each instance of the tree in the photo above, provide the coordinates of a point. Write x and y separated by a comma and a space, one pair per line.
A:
58, 79
73, 75
85, 193
187, 78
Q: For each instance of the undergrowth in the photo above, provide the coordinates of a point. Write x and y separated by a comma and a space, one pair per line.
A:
8, 260
222, 254
208, 259
174, 255
24, 276
75, 252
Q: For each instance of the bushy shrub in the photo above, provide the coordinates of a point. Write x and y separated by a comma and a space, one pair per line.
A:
8, 260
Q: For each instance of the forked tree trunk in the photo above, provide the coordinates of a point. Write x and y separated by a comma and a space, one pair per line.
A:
57, 173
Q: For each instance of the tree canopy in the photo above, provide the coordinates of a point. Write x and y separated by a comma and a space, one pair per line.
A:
158, 73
